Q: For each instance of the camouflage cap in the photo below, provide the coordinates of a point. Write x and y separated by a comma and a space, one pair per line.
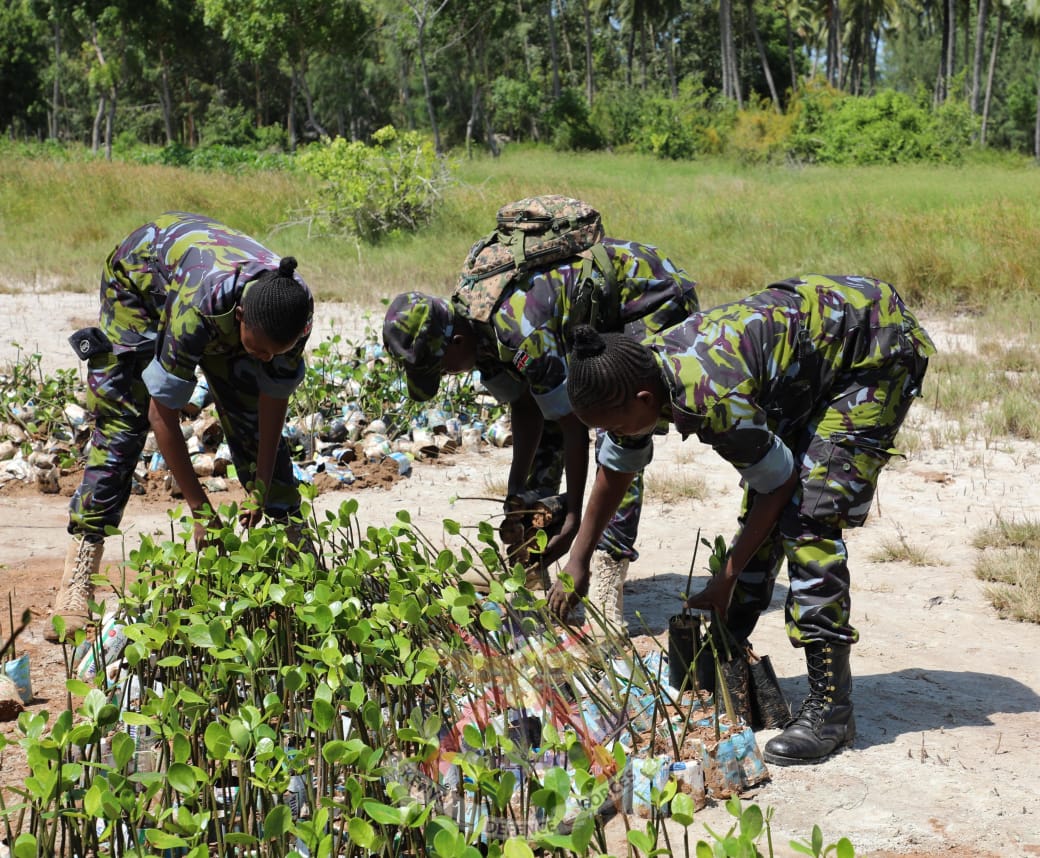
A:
416, 331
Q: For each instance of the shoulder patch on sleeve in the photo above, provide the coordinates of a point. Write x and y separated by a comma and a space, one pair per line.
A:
520, 360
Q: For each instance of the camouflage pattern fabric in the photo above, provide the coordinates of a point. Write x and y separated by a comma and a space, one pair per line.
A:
528, 332
828, 367
168, 295
532, 233
526, 339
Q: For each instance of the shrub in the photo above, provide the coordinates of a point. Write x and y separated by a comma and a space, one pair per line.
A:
887, 128
616, 115
516, 106
570, 123
761, 135
370, 192
683, 127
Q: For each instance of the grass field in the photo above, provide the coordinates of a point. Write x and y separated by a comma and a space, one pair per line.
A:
949, 238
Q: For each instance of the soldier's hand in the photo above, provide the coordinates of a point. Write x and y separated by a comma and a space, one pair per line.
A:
205, 525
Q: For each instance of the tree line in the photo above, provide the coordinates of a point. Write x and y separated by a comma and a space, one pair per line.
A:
576, 73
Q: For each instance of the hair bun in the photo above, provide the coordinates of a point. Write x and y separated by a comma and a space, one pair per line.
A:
287, 266
587, 342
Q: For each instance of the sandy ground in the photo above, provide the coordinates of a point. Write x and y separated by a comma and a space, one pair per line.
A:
946, 693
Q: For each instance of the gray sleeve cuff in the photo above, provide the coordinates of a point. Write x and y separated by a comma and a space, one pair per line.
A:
554, 404
279, 387
626, 460
165, 387
504, 387
772, 470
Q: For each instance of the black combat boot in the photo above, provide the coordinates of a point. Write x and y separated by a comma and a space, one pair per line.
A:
825, 721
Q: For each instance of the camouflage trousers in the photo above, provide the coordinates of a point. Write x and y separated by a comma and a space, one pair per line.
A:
119, 401
840, 455
619, 538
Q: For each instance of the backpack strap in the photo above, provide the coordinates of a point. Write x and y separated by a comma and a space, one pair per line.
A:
596, 300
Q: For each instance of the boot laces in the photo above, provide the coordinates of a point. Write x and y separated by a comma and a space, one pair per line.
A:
821, 688
81, 588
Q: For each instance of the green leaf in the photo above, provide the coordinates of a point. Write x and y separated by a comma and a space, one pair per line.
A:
200, 636
92, 801
324, 714
382, 813
704, 850
162, 840
682, 809
77, 687
751, 821
123, 748
362, 832
581, 833
218, 740
641, 840
239, 838
515, 847
136, 719
491, 620
182, 778
240, 734
473, 737
278, 821
844, 848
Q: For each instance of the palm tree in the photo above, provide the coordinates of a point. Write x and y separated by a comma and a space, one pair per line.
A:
1031, 30
980, 47
1001, 7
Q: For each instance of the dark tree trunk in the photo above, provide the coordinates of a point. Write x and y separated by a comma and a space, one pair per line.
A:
980, 49
164, 96
834, 29
55, 128
762, 55
989, 74
553, 52
590, 86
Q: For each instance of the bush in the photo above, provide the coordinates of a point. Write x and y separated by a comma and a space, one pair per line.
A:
761, 135
683, 127
616, 115
370, 192
516, 105
570, 123
227, 126
887, 128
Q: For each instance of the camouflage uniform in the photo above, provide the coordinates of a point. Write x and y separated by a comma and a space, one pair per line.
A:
524, 346
168, 299
817, 374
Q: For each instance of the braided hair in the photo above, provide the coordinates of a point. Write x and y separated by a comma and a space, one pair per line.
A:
607, 370
277, 304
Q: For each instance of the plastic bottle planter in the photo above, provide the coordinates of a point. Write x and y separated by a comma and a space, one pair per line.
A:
17, 670
648, 773
734, 764
689, 775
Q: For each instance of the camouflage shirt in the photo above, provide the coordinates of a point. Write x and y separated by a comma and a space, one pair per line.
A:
173, 285
524, 344
745, 377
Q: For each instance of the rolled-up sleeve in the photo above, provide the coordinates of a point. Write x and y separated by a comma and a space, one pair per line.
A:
279, 381
165, 387
504, 387
772, 470
625, 455
554, 404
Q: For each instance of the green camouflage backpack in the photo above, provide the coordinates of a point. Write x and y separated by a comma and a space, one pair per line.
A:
535, 233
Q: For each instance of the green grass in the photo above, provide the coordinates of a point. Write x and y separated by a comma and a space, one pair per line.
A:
945, 236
